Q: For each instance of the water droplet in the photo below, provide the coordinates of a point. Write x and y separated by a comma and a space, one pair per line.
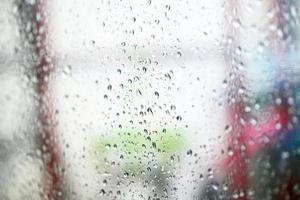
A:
102, 192
107, 146
67, 70
253, 121
285, 155
201, 177
225, 187
225, 83
189, 152
126, 174
230, 151
243, 147
278, 101
215, 186
278, 126
179, 118
168, 7
235, 195
257, 106
179, 54
290, 100
236, 23
149, 110
228, 129
247, 109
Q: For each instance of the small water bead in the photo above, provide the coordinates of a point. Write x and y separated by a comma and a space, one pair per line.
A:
201, 177
230, 151
247, 109
257, 106
178, 118
261, 47
291, 101
278, 101
253, 121
229, 40
250, 192
236, 23
173, 107
242, 121
189, 152
225, 83
235, 195
210, 173
228, 128
168, 7
102, 192
126, 174
278, 126
241, 90
243, 147
107, 146
265, 138
285, 155
225, 187
179, 54
215, 186
67, 70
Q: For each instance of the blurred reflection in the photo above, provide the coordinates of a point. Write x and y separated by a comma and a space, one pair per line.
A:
263, 154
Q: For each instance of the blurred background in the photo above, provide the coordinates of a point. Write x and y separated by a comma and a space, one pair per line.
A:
179, 100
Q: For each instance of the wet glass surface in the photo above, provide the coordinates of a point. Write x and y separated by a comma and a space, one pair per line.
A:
177, 100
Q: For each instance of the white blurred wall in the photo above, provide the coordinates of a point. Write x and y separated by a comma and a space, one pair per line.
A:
93, 40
